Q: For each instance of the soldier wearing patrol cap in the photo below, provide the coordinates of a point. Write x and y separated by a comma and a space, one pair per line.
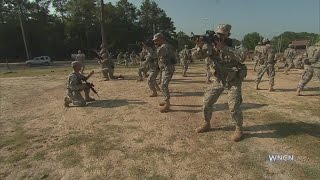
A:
81, 57
266, 64
166, 60
185, 58
257, 55
312, 56
75, 86
289, 55
230, 72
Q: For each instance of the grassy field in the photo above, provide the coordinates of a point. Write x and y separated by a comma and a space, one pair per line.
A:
124, 136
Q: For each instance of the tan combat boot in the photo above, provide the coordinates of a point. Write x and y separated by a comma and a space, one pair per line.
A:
162, 103
237, 134
67, 101
256, 86
298, 92
271, 89
165, 108
154, 94
204, 128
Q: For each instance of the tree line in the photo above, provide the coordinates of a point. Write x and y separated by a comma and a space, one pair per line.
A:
281, 41
76, 25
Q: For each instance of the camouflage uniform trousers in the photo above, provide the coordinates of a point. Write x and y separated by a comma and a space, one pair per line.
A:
167, 73
76, 97
185, 66
106, 73
234, 100
256, 62
270, 71
143, 69
290, 64
152, 79
307, 75
208, 69
111, 72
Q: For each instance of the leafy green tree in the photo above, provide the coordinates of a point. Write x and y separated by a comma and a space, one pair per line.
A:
184, 39
250, 40
153, 18
286, 38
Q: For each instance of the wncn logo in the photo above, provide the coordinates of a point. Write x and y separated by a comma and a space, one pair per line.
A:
280, 158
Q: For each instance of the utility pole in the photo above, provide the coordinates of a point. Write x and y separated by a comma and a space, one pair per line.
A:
22, 29
103, 36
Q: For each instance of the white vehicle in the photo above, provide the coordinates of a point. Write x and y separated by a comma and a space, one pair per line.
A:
42, 60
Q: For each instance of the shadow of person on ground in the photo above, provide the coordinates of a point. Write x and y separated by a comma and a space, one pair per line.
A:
282, 130
112, 103
275, 130
305, 89
216, 107
184, 94
244, 106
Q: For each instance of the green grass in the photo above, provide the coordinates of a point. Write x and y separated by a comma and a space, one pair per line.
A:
74, 140
70, 158
16, 156
40, 155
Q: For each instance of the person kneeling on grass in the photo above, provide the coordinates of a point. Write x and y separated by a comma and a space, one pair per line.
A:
75, 85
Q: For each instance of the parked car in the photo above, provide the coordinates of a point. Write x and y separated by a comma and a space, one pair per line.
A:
41, 60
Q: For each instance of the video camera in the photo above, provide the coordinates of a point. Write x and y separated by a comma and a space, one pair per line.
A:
210, 37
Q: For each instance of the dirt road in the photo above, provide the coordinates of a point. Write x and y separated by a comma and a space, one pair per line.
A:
123, 135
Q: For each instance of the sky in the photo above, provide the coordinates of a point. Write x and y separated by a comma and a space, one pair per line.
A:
267, 17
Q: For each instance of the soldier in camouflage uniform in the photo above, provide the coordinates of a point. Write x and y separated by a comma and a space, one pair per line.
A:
167, 60
230, 72
119, 57
289, 55
266, 64
151, 61
257, 56
298, 61
313, 67
126, 59
185, 58
144, 67
106, 64
81, 57
75, 86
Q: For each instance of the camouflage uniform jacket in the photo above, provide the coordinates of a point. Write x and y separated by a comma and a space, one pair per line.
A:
74, 82
185, 55
166, 55
313, 55
257, 52
268, 55
226, 62
289, 53
150, 58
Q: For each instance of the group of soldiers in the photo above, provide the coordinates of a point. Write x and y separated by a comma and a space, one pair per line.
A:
222, 60
265, 57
